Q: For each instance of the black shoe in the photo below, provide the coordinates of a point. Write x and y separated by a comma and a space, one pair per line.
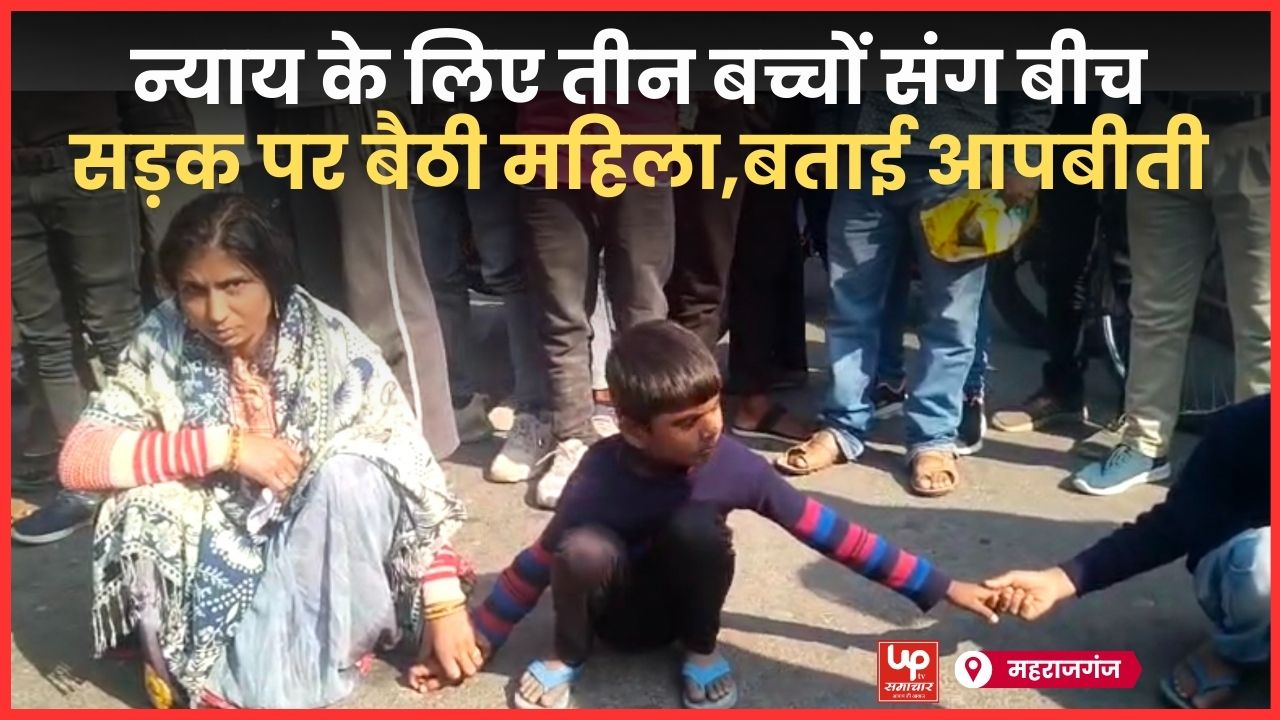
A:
1040, 410
888, 400
55, 521
973, 426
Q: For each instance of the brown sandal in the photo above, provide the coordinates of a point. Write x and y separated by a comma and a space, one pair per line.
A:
928, 468
817, 453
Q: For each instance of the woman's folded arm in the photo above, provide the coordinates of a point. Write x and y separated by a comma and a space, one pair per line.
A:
98, 456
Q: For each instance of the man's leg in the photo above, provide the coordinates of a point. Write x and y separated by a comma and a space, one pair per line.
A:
47, 209
706, 233
1070, 217
389, 297
98, 229
559, 225
753, 295
602, 329
495, 223
975, 381
952, 299
973, 410
865, 240
39, 313
440, 214
637, 231
890, 364
1241, 201
1233, 586
1170, 237
766, 313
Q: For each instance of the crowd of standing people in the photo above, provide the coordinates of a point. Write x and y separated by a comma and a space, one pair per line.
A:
114, 304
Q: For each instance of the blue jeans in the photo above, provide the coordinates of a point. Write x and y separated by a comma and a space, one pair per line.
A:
891, 367
866, 236
489, 213
1233, 585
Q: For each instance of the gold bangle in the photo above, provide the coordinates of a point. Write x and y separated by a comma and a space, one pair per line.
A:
435, 613
233, 452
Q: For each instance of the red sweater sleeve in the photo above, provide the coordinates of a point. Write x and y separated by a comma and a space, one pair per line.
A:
105, 457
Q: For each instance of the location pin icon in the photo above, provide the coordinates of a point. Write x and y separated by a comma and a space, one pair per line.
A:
973, 665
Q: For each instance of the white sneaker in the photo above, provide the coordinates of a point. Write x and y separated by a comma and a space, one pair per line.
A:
604, 421
473, 421
528, 446
567, 456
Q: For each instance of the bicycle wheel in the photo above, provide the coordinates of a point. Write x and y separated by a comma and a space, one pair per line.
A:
1208, 378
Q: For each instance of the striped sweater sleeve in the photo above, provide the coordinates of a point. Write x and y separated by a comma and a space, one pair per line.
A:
97, 456
442, 584
515, 594
850, 544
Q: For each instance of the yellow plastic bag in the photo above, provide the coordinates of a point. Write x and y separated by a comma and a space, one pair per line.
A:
973, 225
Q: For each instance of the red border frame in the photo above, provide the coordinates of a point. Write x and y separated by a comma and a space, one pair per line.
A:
10, 6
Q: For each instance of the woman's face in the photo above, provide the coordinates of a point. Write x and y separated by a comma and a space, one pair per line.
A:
225, 300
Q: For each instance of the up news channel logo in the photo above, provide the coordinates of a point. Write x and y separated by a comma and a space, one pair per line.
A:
908, 672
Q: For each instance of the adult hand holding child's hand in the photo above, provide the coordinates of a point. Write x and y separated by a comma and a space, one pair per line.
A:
453, 654
1030, 594
974, 598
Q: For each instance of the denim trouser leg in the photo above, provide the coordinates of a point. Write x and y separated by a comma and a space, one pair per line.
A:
975, 385
891, 367
867, 235
952, 299
865, 239
1233, 585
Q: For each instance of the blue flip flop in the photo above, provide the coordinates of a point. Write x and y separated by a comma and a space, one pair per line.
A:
703, 676
549, 679
1203, 685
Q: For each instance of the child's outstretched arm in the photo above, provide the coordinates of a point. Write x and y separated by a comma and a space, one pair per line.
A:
866, 553
515, 594
512, 598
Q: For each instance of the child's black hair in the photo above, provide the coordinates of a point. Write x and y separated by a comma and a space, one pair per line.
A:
659, 367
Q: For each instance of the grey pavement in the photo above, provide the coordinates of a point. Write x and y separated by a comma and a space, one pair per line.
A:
800, 630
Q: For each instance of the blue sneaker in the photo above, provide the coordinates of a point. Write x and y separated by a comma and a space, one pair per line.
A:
57, 520
1123, 469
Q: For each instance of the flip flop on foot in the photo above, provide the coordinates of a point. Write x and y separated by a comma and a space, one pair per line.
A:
708, 683
817, 453
545, 686
775, 424
934, 473
1201, 681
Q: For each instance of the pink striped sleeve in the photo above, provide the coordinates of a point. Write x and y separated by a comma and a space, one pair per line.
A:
104, 457
442, 582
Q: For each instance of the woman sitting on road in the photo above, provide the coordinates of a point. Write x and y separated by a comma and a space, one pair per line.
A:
278, 515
